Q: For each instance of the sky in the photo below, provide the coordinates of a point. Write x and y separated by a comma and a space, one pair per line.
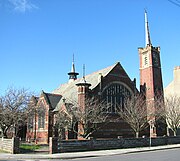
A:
39, 37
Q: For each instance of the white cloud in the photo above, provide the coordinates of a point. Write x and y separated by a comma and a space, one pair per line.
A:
22, 5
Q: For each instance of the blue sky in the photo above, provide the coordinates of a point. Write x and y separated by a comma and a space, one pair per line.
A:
39, 37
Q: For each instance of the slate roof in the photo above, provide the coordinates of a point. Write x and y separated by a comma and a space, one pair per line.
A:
52, 99
69, 90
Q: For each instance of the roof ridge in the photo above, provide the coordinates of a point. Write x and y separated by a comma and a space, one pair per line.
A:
48, 93
112, 66
88, 77
46, 97
55, 94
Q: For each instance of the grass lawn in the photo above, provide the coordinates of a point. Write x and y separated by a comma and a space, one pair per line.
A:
29, 147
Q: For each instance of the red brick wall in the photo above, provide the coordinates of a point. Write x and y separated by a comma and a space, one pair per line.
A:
116, 127
42, 134
151, 77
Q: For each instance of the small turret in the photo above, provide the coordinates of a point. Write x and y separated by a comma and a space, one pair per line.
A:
72, 74
83, 90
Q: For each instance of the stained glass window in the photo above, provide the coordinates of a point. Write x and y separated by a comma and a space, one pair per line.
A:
114, 95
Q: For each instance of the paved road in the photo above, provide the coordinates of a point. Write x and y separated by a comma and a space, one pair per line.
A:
160, 155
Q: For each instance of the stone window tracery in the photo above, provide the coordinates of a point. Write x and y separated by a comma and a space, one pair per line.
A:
30, 122
114, 95
41, 120
41, 115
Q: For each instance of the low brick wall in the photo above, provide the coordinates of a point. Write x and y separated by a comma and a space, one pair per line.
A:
10, 145
103, 144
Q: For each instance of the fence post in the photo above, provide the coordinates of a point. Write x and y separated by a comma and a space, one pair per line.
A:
1, 145
53, 145
15, 145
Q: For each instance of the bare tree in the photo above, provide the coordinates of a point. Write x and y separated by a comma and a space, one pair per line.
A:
134, 112
12, 109
63, 121
90, 118
31, 113
172, 113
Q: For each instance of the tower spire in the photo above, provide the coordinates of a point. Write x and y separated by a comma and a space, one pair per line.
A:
147, 34
72, 74
73, 66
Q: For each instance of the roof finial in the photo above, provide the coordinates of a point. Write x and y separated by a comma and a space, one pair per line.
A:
147, 34
84, 72
73, 66
83, 80
73, 58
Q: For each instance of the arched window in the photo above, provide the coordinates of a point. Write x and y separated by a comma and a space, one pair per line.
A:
41, 119
30, 122
114, 94
41, 115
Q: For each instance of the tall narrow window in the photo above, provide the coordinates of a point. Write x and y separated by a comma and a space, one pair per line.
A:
30, 123
41, 119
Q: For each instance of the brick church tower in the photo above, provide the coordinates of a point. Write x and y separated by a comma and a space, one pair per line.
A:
150, 76
83, 92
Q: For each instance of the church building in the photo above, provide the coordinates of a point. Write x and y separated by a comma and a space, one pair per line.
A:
173, 88
111, 84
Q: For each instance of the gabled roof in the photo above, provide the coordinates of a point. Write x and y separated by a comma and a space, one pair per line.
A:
52, 99
32, 103
69, 90
91, 78
34, 99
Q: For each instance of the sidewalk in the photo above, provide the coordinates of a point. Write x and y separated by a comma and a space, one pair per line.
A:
4, 156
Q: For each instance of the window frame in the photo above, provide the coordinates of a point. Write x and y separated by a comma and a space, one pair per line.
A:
114, 94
